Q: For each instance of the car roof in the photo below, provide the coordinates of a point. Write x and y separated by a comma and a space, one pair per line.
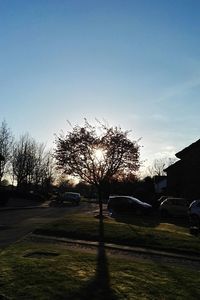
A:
71, 193
175, 198
125, 196
195, 202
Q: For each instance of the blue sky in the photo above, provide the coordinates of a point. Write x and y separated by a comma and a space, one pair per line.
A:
135, 64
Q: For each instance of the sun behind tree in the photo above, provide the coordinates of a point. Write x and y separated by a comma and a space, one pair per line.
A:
96, 154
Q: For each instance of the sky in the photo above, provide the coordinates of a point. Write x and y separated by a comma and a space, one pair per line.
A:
133, 64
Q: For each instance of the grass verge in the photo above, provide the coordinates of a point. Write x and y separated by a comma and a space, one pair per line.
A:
161, 236
50, 271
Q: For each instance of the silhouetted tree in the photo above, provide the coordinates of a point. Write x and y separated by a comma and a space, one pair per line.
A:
125, 185
64, 183
96, 154
31, 165
6, 140
23, 159
48, 171
42, 174
159, 165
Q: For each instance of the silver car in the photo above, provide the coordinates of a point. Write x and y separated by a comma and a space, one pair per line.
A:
194, 212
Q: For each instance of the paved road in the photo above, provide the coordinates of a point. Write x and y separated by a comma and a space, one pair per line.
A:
15, 224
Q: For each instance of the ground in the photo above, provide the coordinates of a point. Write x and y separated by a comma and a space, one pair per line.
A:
36, 267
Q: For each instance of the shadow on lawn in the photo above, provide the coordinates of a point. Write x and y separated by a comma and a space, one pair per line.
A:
179, 284
138, 220
99, 287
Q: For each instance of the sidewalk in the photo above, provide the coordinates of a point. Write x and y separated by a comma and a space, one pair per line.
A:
116, 247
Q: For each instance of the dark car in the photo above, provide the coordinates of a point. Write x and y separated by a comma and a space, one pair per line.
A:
128, 204
194, 213
61, 200
177, 207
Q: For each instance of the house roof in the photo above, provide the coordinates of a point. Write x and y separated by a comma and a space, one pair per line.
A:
176, 164
194, 145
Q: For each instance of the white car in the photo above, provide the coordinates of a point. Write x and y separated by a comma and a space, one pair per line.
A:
194, 212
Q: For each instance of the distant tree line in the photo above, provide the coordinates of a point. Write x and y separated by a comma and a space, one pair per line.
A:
25, 162
159, 165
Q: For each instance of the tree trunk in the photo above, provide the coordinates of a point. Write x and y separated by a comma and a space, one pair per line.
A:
100, 202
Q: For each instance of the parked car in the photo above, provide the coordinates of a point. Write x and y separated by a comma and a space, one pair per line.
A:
194, 212
127, 204
162, 198
66, 197
174, 207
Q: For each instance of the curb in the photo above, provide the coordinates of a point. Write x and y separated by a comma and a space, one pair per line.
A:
110, 246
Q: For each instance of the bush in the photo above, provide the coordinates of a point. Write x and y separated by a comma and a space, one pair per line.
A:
4, 196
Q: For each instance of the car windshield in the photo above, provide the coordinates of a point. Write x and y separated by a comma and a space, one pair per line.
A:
195, 203
128, 198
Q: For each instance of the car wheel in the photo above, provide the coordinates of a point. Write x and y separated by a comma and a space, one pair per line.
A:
195, 221
112, 213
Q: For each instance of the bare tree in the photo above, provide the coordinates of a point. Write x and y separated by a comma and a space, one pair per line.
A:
159, 165
31, 164
37, 172
6, 140
47, 170
23, 159
96, 155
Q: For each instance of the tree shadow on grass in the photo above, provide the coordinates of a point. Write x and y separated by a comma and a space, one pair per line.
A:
179, 284
152, 220
178, 221
138, 220
99, 287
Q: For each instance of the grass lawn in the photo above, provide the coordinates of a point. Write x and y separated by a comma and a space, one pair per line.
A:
51, 271
147, 232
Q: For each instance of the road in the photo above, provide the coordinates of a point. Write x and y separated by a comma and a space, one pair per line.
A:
15, 224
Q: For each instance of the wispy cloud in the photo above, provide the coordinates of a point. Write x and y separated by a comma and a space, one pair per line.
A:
179, 89
159, 117
166, 151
